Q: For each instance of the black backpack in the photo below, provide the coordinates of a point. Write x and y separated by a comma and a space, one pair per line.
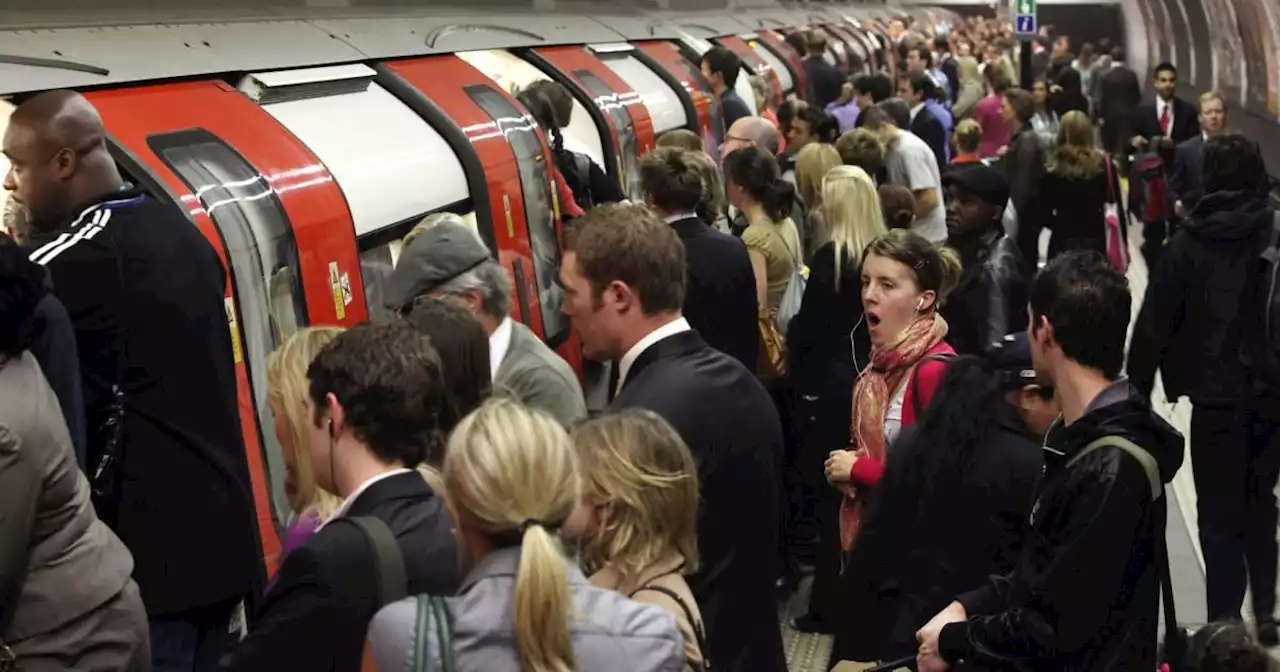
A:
1268, 344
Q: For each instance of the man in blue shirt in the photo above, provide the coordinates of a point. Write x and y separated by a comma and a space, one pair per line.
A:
721, 67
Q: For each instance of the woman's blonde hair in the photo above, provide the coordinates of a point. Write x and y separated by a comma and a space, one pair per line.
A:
712, 204
636, 465
511, 473
812, 164
1076, 155
852, 212
287, 393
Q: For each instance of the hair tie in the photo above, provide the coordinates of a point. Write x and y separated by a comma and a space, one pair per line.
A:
529, 522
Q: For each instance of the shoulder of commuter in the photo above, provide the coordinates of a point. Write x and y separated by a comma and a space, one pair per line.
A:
533, 373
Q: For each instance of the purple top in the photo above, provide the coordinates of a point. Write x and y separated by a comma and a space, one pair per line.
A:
846, 115
297, 534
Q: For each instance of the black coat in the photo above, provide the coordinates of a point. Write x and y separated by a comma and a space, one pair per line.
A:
990, 299
913, 557
1186, 123
824, 81
1199, 304
729, 422
186, 509
720, 291
1074, 209
1119, 92
1186, 181
55, 349
316, 615
1083, 594
929, 128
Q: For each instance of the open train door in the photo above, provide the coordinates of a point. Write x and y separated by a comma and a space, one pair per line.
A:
276, 218
757, 64
578, 68
509, 154
667, 56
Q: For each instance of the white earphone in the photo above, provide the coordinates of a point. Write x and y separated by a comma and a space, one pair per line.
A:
920, 304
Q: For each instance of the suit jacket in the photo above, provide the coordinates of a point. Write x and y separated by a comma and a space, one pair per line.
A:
720, 295
1186, 183
729, 422
929, 128
315, 616
539, 378
1118, 93
1186, 121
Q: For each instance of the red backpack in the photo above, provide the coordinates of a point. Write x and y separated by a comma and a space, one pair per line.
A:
1155, 188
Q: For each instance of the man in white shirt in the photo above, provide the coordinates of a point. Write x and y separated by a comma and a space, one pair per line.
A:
624, 278
910, 162
446, 259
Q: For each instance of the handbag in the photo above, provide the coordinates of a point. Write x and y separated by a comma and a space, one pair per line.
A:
773, 347
435, 618
1117, 246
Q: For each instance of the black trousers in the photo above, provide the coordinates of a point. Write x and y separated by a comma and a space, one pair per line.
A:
1235, 458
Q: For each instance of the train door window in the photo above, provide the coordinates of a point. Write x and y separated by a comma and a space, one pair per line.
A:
700, 46
663, 103
783, 70
617, 110
379, 255
510, 72
535, 185
263, 257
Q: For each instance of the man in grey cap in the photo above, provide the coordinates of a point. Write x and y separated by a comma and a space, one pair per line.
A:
447, 259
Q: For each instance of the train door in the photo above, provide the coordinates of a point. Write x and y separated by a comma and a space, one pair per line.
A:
665, 55
756, 64
587, 131
786, 77
662, 95
278, 220
392, 167
632, 125
510, 154
854, 51
836, 43
788, 57
693, 47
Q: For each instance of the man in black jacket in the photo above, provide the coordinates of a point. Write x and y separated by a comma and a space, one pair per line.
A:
1084, 592
916, 90
824, 79
1119, 92
376, 394
1186, 181
720, 292
145, 292
624, 278
991, 297
1198, 317
721, 68
1159, 127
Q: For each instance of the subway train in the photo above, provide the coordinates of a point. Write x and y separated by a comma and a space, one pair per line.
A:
305, 148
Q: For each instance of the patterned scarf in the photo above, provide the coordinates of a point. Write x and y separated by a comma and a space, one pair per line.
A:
871, 396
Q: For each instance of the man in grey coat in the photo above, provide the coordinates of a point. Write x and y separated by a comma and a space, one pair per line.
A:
448, 260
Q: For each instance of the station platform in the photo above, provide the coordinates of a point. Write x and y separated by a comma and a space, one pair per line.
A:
811, 653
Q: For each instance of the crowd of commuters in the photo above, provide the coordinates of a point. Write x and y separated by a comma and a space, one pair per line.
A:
843, 316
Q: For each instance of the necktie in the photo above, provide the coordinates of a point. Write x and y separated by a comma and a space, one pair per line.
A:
1164, 120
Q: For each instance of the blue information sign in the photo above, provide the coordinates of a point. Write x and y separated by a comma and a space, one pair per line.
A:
1025, 24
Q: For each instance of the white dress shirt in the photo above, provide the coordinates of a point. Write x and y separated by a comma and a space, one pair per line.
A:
1161, 103
676, 326
499, 344
672, 219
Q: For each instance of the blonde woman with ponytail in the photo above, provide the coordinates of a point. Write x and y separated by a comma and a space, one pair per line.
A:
511, 481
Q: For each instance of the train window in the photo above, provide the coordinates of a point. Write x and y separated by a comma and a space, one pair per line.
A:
511, 72
662, 103
784, 72
263, 257
378, 259
628, 153
391, 166
535, 184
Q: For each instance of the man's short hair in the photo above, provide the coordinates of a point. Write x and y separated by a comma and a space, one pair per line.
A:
671, 181
390, 382
632, 245
1166, 67
682, 138
1087, 301
924, 54
492, 282
968, 136
897, 110
817, 42
1208, 97
759, 132
1023, 104
720, 59
877, 85
923, 85
1232, 162
861, 147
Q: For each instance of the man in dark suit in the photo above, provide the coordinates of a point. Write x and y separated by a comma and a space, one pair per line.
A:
1159, 127
917, 89
1119, 92
375, 394
624, 277
1186, 183
824, 79
720, 290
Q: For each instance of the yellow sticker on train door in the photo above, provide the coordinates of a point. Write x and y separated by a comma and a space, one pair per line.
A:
555, 199
236, 352
335, 284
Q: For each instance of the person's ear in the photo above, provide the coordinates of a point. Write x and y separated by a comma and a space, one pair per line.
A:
927, 301
336, 417
620, 296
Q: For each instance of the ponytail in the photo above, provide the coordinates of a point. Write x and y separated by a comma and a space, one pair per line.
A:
543, 605
778, 200
756, 172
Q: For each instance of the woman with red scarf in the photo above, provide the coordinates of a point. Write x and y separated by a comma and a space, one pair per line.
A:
904, 281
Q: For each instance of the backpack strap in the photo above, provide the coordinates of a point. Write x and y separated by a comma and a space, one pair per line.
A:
393, 582
698, 633
1149, 465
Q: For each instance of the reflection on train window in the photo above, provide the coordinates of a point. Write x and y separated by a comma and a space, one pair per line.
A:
608, 101
712, 139
263, 257
535, 184
376, 265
